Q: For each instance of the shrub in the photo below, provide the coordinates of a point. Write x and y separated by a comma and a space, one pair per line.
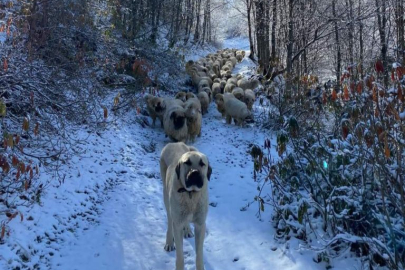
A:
339, 177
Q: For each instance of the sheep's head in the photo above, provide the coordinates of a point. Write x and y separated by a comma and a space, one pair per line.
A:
193, 108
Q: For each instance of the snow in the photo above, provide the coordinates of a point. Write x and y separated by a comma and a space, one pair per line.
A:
109, 212
2, 37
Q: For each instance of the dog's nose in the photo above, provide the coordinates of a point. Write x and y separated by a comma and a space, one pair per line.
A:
194, 178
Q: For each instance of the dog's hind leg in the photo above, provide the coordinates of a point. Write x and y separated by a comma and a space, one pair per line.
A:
199, 230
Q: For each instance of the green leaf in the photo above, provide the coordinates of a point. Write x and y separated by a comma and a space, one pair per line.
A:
3, 109
302, 211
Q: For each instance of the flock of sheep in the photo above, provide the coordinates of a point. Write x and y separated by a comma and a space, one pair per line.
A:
181, 116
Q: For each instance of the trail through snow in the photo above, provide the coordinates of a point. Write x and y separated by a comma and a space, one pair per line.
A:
132, 229
129, 233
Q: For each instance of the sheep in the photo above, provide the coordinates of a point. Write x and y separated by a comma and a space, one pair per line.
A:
197, 77
239, 93
229, 87
155, 107
219, 101
223, 83
248, 84
202, 84
194, 118
204, 100
189, 66
216, 88
233, 60
249, 99
235, 109
181, 95
190, 95
239, 57
233, 80
175, 122
208, 91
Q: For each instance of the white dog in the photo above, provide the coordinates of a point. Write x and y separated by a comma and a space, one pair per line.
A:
185, 173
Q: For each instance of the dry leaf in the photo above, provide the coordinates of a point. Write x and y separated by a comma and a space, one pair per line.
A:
345, 93
17, 176
10, 141
379, 67
375, 97
400, 94
386, 148
334, 95
359, 88
36, 129
5, 65
26, 124
105, 112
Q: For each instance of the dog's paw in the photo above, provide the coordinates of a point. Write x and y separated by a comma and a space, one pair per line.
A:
187, 232
169, 248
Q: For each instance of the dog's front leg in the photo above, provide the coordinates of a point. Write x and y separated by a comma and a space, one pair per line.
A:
178, 241
169, 246
199, 230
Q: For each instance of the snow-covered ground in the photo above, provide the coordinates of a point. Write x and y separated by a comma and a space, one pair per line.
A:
109, 213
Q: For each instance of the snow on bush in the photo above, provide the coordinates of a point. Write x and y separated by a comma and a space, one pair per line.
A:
339, 180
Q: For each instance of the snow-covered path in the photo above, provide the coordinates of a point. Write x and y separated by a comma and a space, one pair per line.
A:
124, 229
131, 230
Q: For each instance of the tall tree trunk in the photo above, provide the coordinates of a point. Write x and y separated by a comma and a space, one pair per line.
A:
382, 23
155, 19
349, 4
273, 31
338, 52
249, 10
304, 39
197, 26
290, 44
361, 43
400, 31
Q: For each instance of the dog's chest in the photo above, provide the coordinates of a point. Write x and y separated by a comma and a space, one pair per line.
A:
189, 209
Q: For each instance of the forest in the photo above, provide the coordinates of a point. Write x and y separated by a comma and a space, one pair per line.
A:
314, 168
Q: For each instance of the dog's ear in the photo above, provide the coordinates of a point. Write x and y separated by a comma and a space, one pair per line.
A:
178, 170
209, 172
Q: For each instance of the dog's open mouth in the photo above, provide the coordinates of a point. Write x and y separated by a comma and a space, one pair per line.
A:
194, 180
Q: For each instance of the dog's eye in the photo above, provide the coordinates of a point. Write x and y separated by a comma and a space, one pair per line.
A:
202, 164
188, 162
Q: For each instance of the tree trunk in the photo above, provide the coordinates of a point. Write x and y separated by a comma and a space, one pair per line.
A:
197, 26
400, 31
273, 31
290, 44
349, 4
338, 52
382, 23
361, 44
248, 10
